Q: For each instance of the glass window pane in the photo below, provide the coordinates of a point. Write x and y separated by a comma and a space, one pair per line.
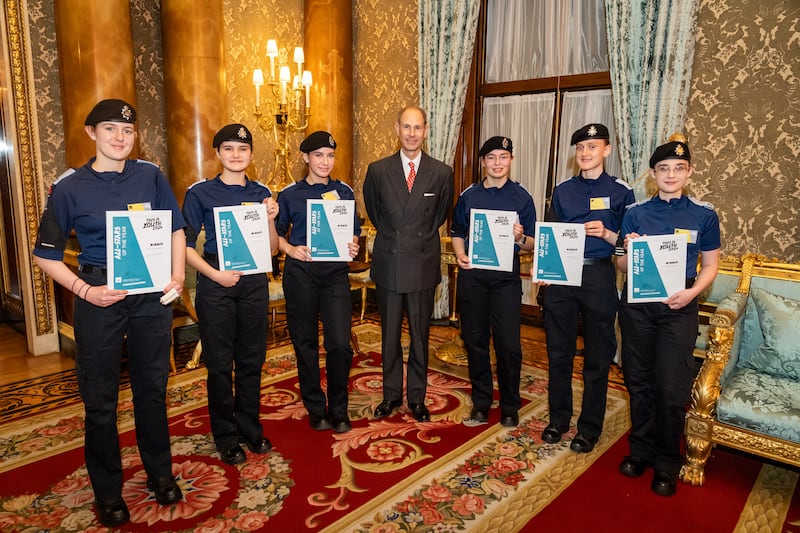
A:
528, 39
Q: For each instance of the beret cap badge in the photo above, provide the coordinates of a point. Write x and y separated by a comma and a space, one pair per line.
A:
592, 131
242, 133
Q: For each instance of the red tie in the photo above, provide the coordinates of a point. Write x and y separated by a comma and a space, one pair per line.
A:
411, 176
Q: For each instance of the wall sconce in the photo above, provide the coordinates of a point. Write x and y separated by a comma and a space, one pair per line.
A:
287, 106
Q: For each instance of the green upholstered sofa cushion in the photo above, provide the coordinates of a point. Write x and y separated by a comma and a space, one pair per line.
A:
778, 354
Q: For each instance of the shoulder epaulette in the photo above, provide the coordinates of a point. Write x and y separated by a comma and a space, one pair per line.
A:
264, 185
340, 182
707, 205
146, 161
624, 183
521, 186
640, 202
289, 186
67, 173
201, 180
468, 188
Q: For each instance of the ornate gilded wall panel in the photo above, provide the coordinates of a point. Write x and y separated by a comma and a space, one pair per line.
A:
744, 123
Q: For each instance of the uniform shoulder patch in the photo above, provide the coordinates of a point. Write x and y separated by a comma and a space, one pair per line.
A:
707, 205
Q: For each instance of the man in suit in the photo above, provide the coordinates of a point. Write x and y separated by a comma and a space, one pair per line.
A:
408, 196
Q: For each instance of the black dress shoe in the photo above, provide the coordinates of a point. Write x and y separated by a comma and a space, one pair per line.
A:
420, 412
386, 408
260, 445
582, 444
477, 417
165, 489
319, 422
112, 512
664, 484
552, 433
509, 420
341, 424
632, 466
233, 455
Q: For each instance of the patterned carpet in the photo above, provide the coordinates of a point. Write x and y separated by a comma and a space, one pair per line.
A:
386, 475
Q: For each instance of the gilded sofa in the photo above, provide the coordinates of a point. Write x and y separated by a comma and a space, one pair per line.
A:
747, 393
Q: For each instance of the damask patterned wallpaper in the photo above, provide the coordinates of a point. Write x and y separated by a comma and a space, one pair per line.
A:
744, 123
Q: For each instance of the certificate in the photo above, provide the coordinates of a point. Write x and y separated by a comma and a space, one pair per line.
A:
329, 227
491, 239
558, 255
138, 250
243, 238
656, 267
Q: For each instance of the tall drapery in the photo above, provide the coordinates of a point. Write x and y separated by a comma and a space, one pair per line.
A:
651, 48
446, 40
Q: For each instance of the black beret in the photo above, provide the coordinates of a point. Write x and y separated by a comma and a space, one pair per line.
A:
233, 132
671, 150
496, 143
111, 111
317, 140
589, 131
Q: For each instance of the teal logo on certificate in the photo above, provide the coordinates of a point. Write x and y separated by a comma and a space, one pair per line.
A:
549, 267
130, 269
647, 282
656, 267
236, 253
483, 250
322, 243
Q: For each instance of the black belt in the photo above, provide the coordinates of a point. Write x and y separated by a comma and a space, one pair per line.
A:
595, 260
92, 270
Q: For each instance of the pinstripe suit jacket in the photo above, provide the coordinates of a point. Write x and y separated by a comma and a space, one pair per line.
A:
407, 251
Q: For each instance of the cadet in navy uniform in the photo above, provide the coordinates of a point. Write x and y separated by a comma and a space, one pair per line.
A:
489, 300
317, 290
232, 306
103, 317
658, 338
596, 200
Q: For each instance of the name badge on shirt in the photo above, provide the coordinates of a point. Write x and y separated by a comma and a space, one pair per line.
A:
691, 234
144, 206
600, 203
330, 195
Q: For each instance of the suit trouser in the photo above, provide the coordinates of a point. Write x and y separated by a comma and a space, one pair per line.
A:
489, 306
596, 300
320, 291
233, 329
657, 362
99, 334
419, 307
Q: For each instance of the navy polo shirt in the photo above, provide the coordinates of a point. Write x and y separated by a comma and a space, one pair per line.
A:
578, 200
292, 203
658, 217
79, 199
203, 196
510, 197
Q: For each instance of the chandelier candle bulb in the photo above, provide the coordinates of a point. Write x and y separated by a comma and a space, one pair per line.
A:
272, 53
299, 58
307, 85
258, 81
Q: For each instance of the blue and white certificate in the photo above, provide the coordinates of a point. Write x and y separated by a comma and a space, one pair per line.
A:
243, 238
138, 250
329, 227
491, 239
656, 267
558, 255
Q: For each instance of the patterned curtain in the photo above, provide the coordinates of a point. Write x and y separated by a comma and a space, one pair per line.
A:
446, 40
651, 48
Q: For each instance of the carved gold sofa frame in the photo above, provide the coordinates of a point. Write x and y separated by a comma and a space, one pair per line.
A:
703, 429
